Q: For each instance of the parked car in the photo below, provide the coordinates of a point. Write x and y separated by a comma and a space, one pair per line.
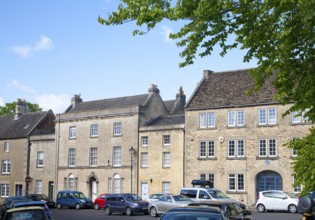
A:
7, 202
43, 204
125, 203
73, 199
194, 213
166, 203
206, 194
30, 212
156, 196
42, 197
276, 200
99, 202
231, 209
306, 204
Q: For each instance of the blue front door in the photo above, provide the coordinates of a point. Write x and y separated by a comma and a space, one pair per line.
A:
268, 180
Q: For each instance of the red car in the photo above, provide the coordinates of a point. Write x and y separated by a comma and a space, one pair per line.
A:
99, 202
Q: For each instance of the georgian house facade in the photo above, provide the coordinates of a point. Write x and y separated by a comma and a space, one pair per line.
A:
237, 141
97, 142
28, 153
161, 150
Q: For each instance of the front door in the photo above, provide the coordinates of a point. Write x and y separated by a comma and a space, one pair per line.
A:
94, 191
18, 189
144, 191
268, 180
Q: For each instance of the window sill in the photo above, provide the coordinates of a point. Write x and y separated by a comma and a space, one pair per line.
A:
236, 158
207, 158
268, 125
236, 127
236, 192
267, 158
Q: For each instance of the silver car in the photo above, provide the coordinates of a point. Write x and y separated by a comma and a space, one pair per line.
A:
166, 203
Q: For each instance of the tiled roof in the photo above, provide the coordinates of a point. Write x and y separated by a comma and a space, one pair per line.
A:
21, 128
165, 120
228, 89
169, 104
120, 102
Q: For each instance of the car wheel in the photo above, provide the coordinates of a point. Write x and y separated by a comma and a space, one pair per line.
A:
108, 211
128, 211
261, 208
153, 212
97, 206
59, 206
77, 206
292, 208
305, 204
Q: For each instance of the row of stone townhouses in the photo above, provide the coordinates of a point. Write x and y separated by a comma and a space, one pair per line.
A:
145, 145
28, 152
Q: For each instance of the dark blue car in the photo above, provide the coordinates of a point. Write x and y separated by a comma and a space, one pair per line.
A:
17, 204
125, 203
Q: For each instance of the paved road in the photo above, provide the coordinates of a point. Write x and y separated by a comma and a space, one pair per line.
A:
91, 214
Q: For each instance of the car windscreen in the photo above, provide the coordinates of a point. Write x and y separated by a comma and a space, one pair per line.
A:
79, 196
27, 214
181, 198
217, 194
191, 215
133, 198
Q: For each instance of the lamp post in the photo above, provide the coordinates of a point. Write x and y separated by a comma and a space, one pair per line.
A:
132, 151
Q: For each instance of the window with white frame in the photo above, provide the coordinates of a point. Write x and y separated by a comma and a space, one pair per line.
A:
166, 140
298, 117
6, 147
267, 148
294, 151
39, 187
71, 157
4, 190
93, 156
236, 148
236, 182
72, 132
166, 187
40, 159
117, 156
166, 159
298, 188
207, 120
267, 116
117, 128
144, 141
6, 167
206, 149
236, 118
144, 159
207, 176
94, 130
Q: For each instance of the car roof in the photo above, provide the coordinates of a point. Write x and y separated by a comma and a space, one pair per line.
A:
25, 208
196, 209
206, 188
29, 203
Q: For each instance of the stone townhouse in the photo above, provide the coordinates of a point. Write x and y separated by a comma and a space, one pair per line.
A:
237, 141
161, 150
28, 152
97, 142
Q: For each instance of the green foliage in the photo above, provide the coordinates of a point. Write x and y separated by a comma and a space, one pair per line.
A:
280, 35
9, 108
303, 165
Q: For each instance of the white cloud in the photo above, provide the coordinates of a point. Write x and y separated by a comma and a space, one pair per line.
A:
1, 102
44, 44
15, 84
24, 51
57, 103
166, 32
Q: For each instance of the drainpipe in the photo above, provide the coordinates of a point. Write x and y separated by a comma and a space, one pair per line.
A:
28, 158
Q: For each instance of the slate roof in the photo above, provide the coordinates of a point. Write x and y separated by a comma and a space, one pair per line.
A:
228, 89
21, 128
121, 102
165, 120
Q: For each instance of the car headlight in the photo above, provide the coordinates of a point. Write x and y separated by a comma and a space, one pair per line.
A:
134, 204
82, 201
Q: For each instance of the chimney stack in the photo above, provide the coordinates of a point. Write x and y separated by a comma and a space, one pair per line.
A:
76, 100
20, 109
154, 90
206, 73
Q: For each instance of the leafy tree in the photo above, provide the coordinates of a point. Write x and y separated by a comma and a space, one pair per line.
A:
9, 108
279, 34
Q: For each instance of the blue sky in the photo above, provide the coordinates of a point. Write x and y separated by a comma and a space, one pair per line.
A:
53, 49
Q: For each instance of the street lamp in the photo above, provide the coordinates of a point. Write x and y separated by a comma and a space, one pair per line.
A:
132, 151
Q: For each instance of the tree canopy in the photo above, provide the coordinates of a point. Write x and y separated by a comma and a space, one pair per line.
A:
9, 108
280, 35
